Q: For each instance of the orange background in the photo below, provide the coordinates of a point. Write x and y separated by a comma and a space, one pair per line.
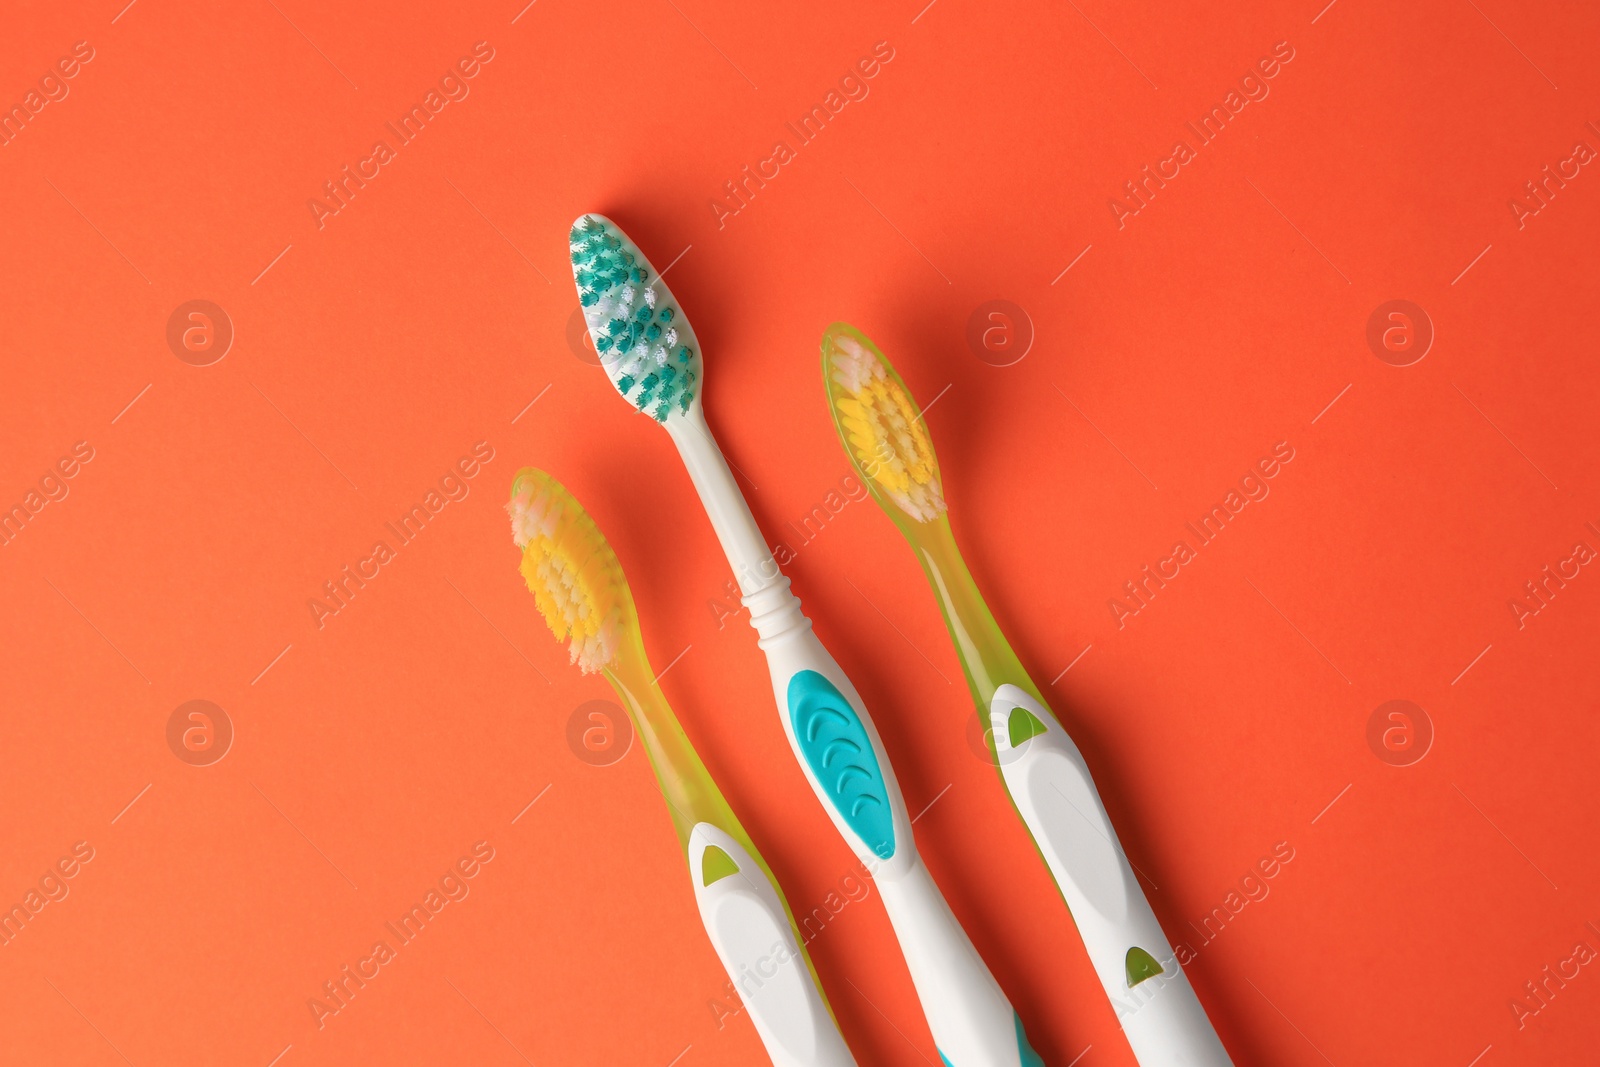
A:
370, 354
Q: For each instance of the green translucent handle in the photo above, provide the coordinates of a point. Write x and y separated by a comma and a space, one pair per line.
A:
987, 659
691, 794
687, 787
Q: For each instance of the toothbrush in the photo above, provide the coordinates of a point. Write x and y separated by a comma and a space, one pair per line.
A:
580, 590
883, 432
652, 357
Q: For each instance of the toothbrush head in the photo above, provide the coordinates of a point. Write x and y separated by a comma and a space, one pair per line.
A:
646, 345
574, 576
880, 425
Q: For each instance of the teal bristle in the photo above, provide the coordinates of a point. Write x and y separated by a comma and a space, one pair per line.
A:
646, 346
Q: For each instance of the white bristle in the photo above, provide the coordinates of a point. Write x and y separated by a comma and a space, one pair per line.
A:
853, 366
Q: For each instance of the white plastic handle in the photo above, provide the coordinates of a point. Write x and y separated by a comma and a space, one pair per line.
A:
972, 1022
971, 1019
750, 931
1048, 780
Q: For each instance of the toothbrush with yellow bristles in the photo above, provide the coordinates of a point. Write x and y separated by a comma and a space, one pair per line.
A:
580, 590
887, 440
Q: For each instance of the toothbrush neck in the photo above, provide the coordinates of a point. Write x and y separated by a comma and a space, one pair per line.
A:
775, 613
753, 566
986, 657
685, 785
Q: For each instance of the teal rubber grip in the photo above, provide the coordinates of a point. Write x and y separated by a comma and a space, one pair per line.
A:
835, 745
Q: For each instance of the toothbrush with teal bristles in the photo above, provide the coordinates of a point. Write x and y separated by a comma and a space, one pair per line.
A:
887, 440
652, 357
580, 590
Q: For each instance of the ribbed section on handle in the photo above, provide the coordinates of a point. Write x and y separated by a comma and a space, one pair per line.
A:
775, 613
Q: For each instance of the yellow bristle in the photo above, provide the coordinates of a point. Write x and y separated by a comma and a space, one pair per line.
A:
880, 421
576, 581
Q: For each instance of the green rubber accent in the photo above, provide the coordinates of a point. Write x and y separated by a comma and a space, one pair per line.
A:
1023, 724
1141, 965
716, 865
1029, 1057
835, 746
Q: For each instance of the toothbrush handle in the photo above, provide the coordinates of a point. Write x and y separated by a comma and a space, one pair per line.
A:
969, 1015
754, 937
1049, 782
843, 759
840, 752
742, 543
740, 904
